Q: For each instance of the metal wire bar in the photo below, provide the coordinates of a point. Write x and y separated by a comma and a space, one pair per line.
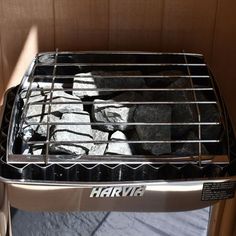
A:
112, 76
118, 64
122, 89
125, 123
121, 53
125, 102
49, 111
129, 159
198, 113
75, 142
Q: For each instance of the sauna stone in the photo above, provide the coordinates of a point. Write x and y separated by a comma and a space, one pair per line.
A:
98, 148
72, 133
154, 113
118, 148
164, 81
114, 112
39, 112
188, 149
95, 80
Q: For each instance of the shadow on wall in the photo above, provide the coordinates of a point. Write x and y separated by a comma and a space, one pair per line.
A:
28, 51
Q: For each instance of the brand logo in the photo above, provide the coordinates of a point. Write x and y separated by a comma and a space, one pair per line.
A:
119, 191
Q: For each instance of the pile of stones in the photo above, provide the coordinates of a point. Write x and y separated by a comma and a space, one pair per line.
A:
112, 117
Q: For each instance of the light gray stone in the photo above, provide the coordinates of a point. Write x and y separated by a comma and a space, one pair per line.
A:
31, 130
118, 148
37, 151
25, 151
48, 85
34, 149
44, 96
154, 113
67, 107
88, 81
115, 112
85, 81
39, 112
98, 148
35, 96
72, 133
47, 58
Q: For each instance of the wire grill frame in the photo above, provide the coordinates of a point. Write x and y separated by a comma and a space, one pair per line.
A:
47, 158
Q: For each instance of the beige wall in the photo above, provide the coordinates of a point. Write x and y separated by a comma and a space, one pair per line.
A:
208, 27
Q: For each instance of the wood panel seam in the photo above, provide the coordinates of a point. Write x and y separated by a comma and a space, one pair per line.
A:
108, 25
2, 79
54, 24
162, 24
214, 31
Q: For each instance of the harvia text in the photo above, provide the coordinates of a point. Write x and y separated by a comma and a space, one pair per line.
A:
119, 191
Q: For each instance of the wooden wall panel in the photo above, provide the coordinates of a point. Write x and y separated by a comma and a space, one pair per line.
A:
27, 26
81, 24
189, 25
135, 24
223, 64
1, 74
1, 65
224, 53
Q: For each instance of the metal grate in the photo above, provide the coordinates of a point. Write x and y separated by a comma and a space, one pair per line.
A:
63, 67
101, 171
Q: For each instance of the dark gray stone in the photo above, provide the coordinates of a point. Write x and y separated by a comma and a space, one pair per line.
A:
98, 149
163, 82
115, 112
72, 133
209, 113
188, 149
118, 148
182, 112
154, 113
88, 81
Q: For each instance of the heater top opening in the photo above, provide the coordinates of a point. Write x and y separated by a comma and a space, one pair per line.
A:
118, 107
